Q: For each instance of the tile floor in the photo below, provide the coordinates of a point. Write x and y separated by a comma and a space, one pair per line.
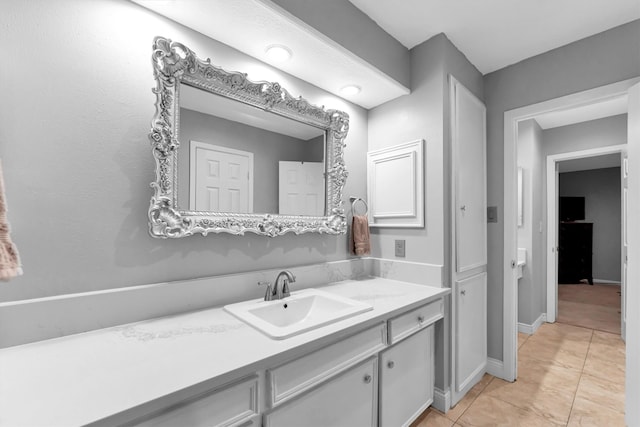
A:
567, 376
601, 302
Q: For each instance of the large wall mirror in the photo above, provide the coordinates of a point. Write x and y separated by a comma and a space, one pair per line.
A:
238, 156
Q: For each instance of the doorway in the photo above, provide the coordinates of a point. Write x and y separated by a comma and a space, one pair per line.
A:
512, 119
572, 295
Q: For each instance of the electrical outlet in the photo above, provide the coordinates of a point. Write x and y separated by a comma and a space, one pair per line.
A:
400, 248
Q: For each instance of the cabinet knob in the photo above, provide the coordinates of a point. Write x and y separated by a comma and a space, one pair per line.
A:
367, 379
391, 364
420, 319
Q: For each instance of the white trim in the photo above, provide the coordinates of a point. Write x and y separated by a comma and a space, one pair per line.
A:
441, 399
531, 329
552, 226
510, 247
495, 367
606, 282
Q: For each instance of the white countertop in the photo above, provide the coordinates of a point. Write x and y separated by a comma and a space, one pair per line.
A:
82, 378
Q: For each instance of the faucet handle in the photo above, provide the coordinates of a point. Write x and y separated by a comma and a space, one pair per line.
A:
268, 295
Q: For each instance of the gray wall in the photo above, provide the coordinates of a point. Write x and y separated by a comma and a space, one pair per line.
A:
583, 136
425, 114
348, 26
598, 60
601, 190
532, 284
268, 149
76, 111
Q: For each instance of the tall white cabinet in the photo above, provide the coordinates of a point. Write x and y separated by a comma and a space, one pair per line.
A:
469, 239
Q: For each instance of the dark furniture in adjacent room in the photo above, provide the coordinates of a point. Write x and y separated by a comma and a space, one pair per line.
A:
575, 252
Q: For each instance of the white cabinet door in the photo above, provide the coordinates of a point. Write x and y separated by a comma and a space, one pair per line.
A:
406, 379
470, 297
349, 400
468, 136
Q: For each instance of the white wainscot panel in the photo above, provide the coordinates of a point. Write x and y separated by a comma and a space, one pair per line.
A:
395, 185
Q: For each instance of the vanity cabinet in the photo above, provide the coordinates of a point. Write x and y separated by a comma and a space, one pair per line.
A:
350, 399
406, 379
235, 404
379, 376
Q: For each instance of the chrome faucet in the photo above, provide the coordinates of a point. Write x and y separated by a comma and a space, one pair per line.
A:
278, 292
283, 291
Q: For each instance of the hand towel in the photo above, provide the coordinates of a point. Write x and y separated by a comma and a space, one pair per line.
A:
9, 259
360, 244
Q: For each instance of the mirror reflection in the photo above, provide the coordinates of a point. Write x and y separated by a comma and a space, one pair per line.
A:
236, 158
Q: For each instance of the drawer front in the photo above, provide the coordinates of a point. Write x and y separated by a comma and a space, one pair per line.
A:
234, 405
290, 379
408, 323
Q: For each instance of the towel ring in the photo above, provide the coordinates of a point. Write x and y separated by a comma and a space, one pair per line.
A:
355, 200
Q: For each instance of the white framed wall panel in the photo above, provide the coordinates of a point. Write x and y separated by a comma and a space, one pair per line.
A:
395, 185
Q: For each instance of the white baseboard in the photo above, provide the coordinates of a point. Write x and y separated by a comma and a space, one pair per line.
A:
606, 282
495, 367
441, 399
531, 329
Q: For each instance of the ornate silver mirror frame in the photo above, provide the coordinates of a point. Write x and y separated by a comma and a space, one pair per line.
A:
173, 64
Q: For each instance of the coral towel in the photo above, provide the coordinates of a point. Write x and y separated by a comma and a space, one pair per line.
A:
360, 244
9, 260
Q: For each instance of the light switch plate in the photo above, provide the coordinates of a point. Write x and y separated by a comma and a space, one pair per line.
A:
400, 248
492, 214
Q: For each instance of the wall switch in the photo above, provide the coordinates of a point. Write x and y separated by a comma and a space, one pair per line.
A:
400, 248
492, 214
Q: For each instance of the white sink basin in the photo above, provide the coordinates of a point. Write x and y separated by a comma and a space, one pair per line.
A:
302, 311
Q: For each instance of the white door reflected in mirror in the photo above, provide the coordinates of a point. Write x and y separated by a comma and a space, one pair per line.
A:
301, 188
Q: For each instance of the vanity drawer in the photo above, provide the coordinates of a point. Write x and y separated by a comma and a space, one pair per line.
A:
408, 323
296, 376
235, 405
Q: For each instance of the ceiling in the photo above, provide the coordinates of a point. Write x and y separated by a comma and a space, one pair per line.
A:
229, 109
491, 33
585, 113
496, 33
588, 163
250, 26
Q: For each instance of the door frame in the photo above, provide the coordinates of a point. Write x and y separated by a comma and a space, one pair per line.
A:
552, 226
510, 245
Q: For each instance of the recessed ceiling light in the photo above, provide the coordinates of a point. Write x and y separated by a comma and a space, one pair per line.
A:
278, 53
350, 90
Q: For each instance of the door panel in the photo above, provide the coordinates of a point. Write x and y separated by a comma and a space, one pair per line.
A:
470, 180
470, 298
221, 179
301, 188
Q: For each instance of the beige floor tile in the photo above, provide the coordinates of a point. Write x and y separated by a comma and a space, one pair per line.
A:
567, 354
574, 343
432, 419
607, 352
522, 338
489, 411
483, 383
555, 331
548, 374
600, 368
547, 402
600, 317
456, 412
587, 414
605, 393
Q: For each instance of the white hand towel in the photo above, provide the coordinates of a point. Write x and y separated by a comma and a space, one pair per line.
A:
9, 260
